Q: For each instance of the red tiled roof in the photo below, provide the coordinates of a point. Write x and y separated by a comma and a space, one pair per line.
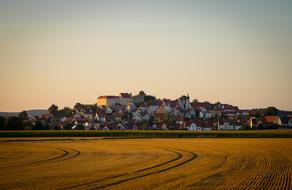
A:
108, 97
178, 118
117, 114
161, 110
271, 119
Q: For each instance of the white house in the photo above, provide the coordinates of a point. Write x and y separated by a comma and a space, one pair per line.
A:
105, 128
226, 126
207, 128
125, 99
121, 126
136, 116
201, 114
99, 118
108, 100
223, 126
131, 107
164, 127
192, 113
87, 116
176, 112
290, 122
199, 128
152, 109
237, 127
193, 127
154, 126
91, 126
167, 108
96, 117
108, 111
145, 117
208, 115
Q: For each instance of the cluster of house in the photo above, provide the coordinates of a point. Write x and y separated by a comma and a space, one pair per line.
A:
144, 112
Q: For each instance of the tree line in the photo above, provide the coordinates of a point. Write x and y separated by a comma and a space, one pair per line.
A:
13, 122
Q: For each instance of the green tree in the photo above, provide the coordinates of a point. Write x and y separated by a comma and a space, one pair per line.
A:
94, 108
53, 110
67, 126
144, 125
272, 111
182, 98
142, 93
23, 115
149, 98
14, 123
77, 107
66, 112
40, 125
257, 113
80, 127
54, 124
2, 123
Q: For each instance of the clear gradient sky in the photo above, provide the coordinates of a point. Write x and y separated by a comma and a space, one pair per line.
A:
68, 51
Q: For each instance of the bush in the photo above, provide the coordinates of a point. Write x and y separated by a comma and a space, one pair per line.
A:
67, 126
80, 127
2, 123
14, 123
39, 125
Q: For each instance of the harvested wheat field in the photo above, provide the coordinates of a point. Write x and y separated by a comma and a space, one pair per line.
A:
147, 164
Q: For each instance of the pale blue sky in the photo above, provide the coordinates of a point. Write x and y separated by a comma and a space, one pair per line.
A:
64, 51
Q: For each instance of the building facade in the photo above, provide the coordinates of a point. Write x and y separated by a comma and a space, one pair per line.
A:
124, 99
108, 100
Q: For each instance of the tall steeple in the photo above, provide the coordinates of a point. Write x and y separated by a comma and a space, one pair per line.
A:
188, 106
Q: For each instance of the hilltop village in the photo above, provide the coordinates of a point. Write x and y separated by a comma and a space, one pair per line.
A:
146, 112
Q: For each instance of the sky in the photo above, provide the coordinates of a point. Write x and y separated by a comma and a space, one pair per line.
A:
67, 51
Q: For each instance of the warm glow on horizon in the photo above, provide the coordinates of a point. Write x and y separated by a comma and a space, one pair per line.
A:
63, 52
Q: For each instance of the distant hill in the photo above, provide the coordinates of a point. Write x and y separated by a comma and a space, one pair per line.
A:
8, 114
29, 112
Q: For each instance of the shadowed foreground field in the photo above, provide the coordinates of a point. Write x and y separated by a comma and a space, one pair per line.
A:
147, 164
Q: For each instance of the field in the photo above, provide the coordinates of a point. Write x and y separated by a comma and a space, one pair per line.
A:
200, 163
284, 133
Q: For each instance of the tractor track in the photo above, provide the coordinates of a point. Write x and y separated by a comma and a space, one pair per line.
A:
140, 173
193, 156
61, 157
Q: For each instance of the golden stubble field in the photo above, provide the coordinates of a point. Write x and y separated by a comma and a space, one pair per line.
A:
146, 164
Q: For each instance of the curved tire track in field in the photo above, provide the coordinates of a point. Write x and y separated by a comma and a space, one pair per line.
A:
193, 156
60, 157
141, 172
179, 156
70, 156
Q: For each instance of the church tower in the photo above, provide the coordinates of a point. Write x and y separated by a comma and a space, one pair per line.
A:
187, 102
